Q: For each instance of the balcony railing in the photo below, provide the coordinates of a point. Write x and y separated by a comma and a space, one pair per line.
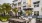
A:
15, 0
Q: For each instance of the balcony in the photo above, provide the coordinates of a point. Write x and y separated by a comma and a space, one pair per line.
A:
15, 0
23, 4
14, 4
28, 9
19, 3
36, 2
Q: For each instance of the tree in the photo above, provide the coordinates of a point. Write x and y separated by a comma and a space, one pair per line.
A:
15, 10
1, 9
29, 12
6, 7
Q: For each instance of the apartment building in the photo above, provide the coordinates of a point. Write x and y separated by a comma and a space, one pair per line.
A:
23, 4
37, 7
35, 4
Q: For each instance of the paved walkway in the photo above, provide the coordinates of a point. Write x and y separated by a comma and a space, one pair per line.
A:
3, 22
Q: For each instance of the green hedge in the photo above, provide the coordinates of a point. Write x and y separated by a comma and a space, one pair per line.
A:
4, 18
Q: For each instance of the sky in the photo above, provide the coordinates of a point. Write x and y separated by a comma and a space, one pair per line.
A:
5, 1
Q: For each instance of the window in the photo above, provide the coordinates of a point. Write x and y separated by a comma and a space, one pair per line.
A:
36, 13
19, 8
15, 4
24, 6
24, 2
15, 0
36, 5
37, 2
19, 3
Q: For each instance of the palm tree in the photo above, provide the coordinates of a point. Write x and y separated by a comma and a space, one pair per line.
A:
0, 8
15, 10
6, 7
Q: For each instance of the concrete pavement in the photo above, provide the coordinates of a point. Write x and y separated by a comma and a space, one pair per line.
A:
3, 22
